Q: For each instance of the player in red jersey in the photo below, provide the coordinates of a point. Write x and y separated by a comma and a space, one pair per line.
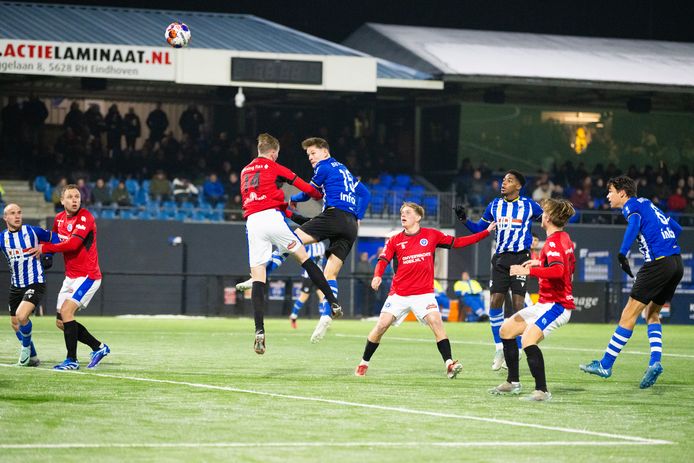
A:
265, 209
555, 270
77, 230
413, 283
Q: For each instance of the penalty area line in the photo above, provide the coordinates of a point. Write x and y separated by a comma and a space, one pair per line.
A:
386, 408
409, 444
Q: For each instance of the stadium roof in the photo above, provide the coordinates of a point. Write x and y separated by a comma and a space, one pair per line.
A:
468, 55
212, 31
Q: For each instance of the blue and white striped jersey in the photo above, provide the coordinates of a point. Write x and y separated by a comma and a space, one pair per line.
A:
655, 231
25, 270
513, 222
316, 252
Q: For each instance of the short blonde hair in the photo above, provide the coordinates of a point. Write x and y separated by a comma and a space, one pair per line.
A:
419, 210
267, 143
315, 141
70, 186
559, 211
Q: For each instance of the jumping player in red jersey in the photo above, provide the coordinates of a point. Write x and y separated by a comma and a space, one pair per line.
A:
265, 209
413, 283
555, 270
77, 230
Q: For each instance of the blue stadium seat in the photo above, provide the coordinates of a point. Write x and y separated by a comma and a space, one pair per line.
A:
403, 180
181, 215
431, 204
132, 186
199, 215
386, 180
108, 214
145, 185
48, 194
217, 215
378, 202
113, 183
141, 198
125, 213
41, 184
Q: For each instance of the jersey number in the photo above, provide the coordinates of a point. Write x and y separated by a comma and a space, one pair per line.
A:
348, 180
250, 181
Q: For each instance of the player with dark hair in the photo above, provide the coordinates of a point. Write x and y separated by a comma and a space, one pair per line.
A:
554, 269
513, 215
413, 284
77, 230
27, 276
344, 204
655, 282
265, 209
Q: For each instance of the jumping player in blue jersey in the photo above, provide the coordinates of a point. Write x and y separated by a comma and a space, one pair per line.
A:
655, 282
28, 281
344, 204
513, 215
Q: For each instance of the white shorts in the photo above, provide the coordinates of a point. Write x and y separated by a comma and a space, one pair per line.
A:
421, 305
547, 316
81, 290
267, 228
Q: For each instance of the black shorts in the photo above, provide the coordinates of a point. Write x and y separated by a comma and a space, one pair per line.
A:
32, 293
501, 266
336, 225
306, 285
657, 281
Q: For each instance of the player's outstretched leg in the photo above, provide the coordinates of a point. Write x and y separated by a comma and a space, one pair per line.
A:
603, 367
258, 298
323, 323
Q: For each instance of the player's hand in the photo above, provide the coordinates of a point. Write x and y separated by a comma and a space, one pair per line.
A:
47, 261
624, 263
375, 283
293, 204
491, 227
35, 252
460, 212
519, 270
531, 263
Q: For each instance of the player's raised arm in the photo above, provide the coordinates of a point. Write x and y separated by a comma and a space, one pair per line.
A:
308, 190
474, 227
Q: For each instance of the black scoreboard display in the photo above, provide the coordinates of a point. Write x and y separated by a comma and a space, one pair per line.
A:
280, 71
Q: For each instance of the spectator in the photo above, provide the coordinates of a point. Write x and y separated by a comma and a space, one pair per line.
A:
114, 130
11, 122
184, 191
56, 195
475, 188
157, 123
232, 189
213, 190
543, 191
75, 119
95, 125
101, 194
34, 114
159, 187
598, 190
85, 191
120, 195
661, 189
190, 122
470, 293
677, 202
579, 198
132, 128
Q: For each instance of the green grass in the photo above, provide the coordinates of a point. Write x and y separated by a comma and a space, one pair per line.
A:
214, 399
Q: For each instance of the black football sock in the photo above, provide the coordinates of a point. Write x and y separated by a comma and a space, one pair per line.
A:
536, 363
317, 277
70, 334
85, 337
444, 347
258, 298
511, 357
369, 350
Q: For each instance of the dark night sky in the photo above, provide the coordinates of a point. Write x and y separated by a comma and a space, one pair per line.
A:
646, 19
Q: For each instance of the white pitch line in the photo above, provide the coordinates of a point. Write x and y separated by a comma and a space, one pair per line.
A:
410, 444
544, 346
411, 411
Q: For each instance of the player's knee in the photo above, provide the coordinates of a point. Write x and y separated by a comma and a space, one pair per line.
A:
506, 331
14, 324
22, 319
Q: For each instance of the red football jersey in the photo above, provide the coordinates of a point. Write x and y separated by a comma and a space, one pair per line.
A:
261, 182
415, 260
84, 261
558, 249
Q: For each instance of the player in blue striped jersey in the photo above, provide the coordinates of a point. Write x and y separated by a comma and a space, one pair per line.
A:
513, 215
656, 281
345, 202
27, 279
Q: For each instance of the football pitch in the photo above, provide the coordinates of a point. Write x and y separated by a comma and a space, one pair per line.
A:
194, 390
